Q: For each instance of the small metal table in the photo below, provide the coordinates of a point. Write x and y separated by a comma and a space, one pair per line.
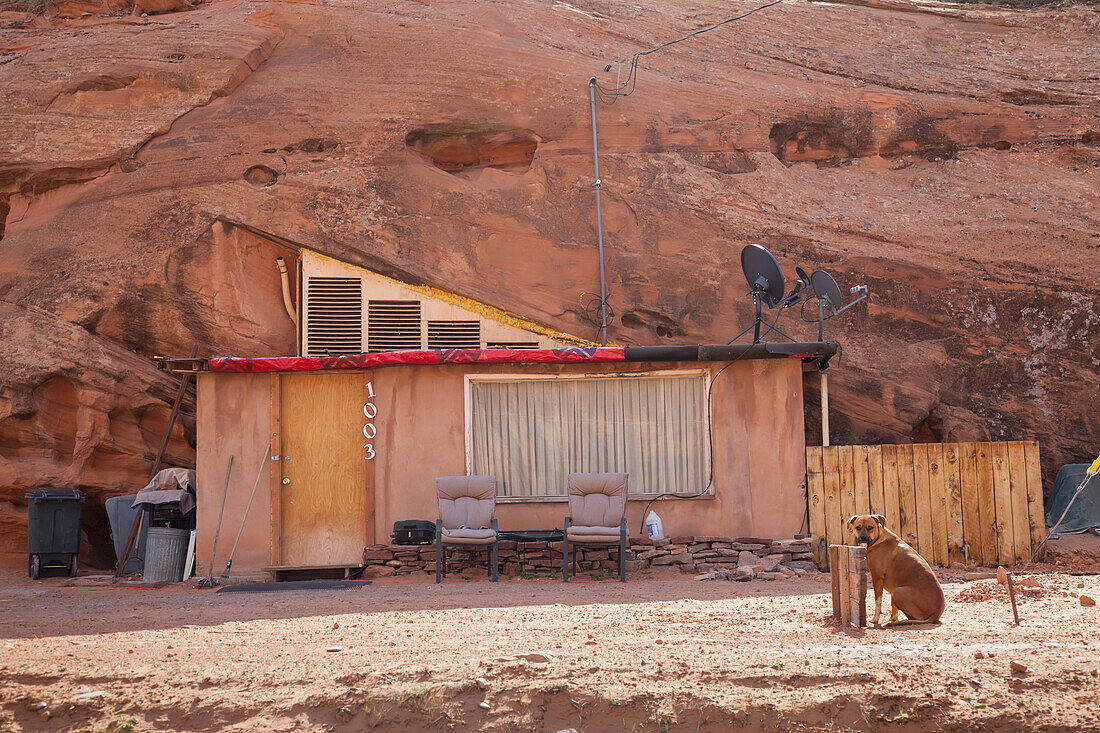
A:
532, 535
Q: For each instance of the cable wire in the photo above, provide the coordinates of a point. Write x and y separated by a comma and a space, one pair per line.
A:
710, 440
610, 95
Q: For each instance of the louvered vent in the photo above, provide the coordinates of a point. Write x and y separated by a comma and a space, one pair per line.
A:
334, 309
454, 334
512, 345
393, 325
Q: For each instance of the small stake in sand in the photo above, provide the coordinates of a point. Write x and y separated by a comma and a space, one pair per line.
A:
1012, 597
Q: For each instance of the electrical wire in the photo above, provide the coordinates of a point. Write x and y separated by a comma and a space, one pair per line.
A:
710, 440
591, 309
610, 95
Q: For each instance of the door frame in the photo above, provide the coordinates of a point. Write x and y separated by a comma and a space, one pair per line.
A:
276, 473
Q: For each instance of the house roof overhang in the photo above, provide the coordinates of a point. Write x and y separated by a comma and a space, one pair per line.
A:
814, 353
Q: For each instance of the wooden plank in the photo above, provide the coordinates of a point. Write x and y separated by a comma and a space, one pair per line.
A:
971, 521
324, 508
845, 595
1035, 509
952, 462
987, 514
859, 474
847, 490
937, 489
907, 493
1002, 495
834, 577
923, 493
874, 480
275, 472
857, 586
815, 499
890, 494
1020, 529
833, 523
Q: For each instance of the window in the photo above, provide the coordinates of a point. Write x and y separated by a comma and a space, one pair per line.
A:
531, 433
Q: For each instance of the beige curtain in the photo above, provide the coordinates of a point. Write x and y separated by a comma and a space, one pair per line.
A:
531, 433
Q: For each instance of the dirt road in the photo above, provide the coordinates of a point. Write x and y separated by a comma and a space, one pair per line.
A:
659, 653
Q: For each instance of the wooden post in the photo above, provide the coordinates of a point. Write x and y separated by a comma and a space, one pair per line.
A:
824, 409
848, 573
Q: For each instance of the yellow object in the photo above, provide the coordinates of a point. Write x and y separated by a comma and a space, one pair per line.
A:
1095, 467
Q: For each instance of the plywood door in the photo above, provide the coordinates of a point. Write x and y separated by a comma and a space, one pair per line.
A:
326, 501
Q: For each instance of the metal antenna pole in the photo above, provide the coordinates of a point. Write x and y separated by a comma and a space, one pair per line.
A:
599, 217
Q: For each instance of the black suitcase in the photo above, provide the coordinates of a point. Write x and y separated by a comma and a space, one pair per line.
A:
413, 532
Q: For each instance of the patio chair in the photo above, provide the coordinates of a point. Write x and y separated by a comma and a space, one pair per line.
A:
597, 508
466, 507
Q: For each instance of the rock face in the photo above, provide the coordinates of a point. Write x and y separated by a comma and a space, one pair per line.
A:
948, 157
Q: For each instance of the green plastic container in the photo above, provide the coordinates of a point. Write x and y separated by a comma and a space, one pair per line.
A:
54, 514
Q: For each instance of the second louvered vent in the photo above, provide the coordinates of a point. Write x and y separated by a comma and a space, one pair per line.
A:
393, 325
334, 316
454, 334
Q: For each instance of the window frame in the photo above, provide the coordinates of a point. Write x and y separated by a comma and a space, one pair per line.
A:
468, 434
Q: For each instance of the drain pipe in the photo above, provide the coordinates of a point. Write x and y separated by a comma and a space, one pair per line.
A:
599, 217
287, 302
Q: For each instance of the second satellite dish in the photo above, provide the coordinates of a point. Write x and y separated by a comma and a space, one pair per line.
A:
825, 288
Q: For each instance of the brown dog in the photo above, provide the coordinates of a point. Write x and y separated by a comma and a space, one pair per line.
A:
894, 565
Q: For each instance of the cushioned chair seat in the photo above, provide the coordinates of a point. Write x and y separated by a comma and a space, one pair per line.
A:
597, 503
469, 536
580, 533
466, 517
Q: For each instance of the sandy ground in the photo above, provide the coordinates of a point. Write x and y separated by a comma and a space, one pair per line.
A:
663, 652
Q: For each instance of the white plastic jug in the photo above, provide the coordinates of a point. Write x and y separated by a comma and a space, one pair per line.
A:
653, 526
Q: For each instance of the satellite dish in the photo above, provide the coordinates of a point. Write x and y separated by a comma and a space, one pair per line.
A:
825, 288
762, 274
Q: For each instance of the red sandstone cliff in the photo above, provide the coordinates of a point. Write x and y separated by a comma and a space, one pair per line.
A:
948, 156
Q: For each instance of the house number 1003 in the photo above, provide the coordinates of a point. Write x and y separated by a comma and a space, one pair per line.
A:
369, 430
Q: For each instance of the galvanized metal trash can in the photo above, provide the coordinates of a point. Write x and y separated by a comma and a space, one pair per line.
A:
122, 514
165, 553
54, 514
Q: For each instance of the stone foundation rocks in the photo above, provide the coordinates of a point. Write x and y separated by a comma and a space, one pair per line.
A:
732, 558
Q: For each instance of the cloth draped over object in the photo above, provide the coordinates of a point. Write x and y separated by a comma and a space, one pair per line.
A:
1085, 512
169, 486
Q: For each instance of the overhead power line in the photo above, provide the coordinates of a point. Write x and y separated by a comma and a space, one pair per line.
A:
624, 88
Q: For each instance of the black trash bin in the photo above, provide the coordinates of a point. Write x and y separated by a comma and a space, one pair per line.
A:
53, 530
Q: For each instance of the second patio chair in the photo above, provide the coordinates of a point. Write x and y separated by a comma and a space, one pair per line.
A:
466, 508
597, 509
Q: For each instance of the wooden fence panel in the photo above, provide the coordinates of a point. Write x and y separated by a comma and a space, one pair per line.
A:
834, 524
815, 497
847, 484
937, 485
1002, 496
987, 520
1021, 529
953, 468
890, 486
1036, 517
979, 503
907, 493
862, 488
924, 501
875, 486
972, 535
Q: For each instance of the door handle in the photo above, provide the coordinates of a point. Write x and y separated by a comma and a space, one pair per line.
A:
286, 481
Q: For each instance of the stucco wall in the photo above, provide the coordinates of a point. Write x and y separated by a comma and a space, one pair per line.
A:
759, 453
